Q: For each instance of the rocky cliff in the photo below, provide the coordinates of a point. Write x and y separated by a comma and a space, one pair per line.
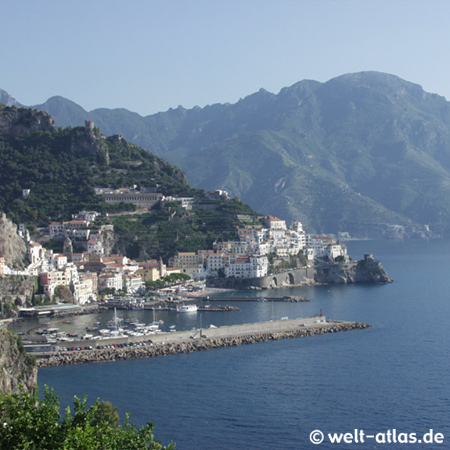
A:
368, 270
19, 122
16, 291
12, 246
16, 367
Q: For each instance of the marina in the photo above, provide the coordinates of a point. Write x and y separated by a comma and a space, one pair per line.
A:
119, 347
122, 323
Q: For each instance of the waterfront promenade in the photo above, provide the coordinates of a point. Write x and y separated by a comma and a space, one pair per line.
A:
196, 340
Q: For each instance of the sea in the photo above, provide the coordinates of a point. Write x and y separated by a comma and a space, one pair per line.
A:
384, 387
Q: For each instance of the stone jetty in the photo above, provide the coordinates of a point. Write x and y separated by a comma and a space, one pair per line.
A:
198, 340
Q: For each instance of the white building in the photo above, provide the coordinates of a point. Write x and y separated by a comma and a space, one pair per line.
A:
89, 216
273, 223
110, 281
216, 262
332, 251
95, 246
59, 261
132, 283
35, 253
83, 291
297, 226
247, 267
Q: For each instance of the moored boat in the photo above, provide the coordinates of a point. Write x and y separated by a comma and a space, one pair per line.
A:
188, 308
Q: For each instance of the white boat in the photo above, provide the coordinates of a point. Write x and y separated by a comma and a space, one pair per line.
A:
188, 308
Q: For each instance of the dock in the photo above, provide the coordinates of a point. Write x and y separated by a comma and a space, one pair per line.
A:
196, 340
286, 298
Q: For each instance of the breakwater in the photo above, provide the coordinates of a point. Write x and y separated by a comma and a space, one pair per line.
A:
286, 298
199, 340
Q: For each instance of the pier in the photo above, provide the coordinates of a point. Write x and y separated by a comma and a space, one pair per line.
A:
286, 298
196, 340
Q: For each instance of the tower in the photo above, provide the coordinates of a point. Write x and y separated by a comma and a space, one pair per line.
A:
68, 249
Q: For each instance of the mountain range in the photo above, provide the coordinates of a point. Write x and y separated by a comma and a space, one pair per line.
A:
367, 153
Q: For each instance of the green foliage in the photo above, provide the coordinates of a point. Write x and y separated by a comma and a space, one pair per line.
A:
105, 412
168, 280
61, 168
236, 206
163, 233
32, 423
108, 291
292, 263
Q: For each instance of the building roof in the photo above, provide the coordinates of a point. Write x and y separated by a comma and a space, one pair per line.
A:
274, 219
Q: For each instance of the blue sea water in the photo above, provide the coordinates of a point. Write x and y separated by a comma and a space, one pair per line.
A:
274, 394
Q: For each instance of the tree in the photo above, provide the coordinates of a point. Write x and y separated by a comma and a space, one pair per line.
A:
63, 294
37, 424
105, 412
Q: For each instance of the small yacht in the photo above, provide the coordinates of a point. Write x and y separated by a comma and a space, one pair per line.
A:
188, 308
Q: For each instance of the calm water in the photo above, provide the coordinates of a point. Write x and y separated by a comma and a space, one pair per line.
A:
272, 395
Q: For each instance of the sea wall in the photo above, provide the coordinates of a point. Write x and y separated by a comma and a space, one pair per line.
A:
297, 277
223, 339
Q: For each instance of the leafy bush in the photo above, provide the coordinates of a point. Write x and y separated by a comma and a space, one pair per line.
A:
30, 423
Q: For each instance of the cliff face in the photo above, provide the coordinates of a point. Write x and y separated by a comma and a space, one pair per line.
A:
16, 289
12, 246
21, 121
16, 367
368, 270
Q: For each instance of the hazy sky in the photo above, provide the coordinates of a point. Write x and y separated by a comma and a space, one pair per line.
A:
148, 56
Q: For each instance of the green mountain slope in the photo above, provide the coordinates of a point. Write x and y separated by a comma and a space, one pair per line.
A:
62, 167
359, 150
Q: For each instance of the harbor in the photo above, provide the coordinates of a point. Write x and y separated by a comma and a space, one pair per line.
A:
193, 340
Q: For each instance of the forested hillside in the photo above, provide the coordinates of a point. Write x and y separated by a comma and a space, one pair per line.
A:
358, 153
61, 167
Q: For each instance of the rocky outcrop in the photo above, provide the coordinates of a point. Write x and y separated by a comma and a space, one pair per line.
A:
108, 238
188, 346
17, 290
16, 367
368, 270
18, 122
12, 246
298, 277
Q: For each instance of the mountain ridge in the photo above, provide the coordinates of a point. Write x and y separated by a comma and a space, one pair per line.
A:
360, 149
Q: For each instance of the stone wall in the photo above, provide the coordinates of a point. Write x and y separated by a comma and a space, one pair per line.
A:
296, 277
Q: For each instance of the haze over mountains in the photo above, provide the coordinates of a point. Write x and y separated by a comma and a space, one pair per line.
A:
356, 153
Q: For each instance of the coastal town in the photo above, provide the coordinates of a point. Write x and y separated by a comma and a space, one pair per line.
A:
80, 277
57, 272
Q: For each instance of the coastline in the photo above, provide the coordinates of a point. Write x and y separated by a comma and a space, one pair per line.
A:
200, 340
